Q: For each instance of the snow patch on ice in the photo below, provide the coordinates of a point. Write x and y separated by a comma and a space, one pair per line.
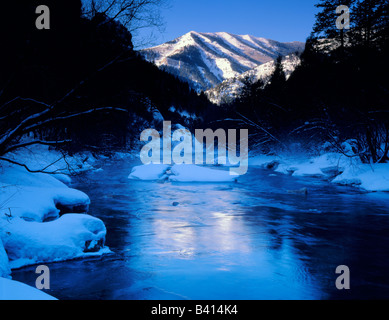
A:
193, 173
180, 173
148, 172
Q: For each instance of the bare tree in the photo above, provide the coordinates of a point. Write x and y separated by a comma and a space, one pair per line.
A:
21, 116
370, 137
133, 14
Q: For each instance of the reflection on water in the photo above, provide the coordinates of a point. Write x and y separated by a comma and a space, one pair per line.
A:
245, 240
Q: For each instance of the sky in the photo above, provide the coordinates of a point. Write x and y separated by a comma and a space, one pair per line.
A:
281, 20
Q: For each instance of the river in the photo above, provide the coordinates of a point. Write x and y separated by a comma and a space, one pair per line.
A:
227, 241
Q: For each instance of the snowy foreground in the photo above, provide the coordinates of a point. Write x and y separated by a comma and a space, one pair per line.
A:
42, 219
15, 290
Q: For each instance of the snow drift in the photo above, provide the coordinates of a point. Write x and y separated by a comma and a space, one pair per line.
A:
5, 270
335, 167
43, 220
71, 236
38, 196
15, 290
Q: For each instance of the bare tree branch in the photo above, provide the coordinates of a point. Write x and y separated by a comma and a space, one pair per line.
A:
260, 128
133, 14
25, 124
69, 116
31, 170
42, 142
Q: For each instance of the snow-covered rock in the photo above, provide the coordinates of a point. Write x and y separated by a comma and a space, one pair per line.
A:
71, 236
15, 290
37, 196
148, 172
262, 160
368, 177
193, 173
323, 165
28, 201
326, 165
335, 167
5, 270
64, 178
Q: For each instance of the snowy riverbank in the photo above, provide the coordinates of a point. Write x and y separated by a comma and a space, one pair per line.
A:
331, 166
339, 168
43, 219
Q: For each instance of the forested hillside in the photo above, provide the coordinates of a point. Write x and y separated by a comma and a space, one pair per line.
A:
80, 82
339, 92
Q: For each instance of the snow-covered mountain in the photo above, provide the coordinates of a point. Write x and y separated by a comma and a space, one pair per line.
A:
229, 89
206, 59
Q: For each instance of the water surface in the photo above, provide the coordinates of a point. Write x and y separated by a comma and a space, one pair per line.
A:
245, 240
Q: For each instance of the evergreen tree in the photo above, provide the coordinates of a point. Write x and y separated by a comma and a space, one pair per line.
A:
278, 79
325, 28
382, 34
367, 16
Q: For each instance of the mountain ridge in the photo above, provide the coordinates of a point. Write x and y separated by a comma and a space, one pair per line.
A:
230, 88
205, 60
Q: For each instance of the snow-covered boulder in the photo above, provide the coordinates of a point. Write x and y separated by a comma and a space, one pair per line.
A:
326, 165
64, 178
15, 290
5, 270
263, 160
37, 196
42, 204
193, 173
71, 236
149, 172
350, 147
368, 177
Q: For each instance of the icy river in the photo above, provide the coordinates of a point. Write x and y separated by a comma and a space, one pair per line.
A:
245, 240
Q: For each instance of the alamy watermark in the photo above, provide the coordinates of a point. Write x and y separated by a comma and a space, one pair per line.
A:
43, 281
343, 281
192, 150
43, 20
343, 21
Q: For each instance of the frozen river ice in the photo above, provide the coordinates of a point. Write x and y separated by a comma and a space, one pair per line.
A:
250, 239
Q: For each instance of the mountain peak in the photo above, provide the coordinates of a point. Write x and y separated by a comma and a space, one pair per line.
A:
206, 59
